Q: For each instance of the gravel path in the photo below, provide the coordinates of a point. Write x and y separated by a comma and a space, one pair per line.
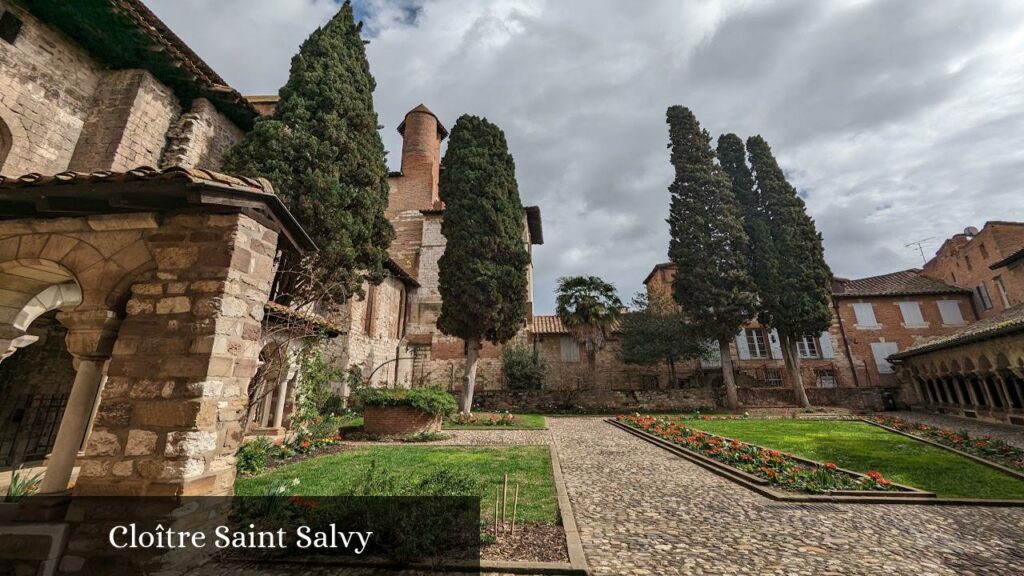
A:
642, 510
1013, 435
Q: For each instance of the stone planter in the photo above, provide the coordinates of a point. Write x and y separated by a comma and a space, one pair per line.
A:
398, 421
8, 510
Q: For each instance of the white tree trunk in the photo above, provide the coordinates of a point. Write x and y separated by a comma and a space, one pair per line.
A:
470, 380
792, 359
732, 400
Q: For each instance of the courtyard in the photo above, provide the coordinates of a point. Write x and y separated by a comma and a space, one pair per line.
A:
641, 510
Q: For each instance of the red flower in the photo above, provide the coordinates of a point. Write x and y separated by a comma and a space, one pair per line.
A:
830, 466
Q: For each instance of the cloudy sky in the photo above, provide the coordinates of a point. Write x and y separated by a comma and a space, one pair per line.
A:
897, 120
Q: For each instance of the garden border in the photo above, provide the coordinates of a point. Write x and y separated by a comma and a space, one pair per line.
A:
967, 455
760, 486
576, 566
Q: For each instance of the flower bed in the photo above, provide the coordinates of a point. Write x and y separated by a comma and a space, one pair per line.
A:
986, 447
777, 468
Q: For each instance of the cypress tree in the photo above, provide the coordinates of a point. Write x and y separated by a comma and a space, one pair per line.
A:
323, 154
482, 276
761, 254
800, 293
707, 242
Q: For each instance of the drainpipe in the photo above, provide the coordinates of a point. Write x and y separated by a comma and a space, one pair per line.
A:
846, 342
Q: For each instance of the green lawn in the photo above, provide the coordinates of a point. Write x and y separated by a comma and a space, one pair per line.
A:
337, 474
862, 447
525, 422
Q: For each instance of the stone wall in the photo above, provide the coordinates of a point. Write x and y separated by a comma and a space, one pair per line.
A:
127, 126
46, 87
607, 401
62, 110
856, 399
383, 342
170, 416
200, 138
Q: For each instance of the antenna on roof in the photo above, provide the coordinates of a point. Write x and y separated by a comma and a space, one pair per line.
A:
919, 244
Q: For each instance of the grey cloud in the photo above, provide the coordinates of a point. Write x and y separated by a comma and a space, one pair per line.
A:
897, 120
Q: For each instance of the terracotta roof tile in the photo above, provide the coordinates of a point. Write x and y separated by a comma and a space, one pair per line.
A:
903, 283
551, 324
1009, 321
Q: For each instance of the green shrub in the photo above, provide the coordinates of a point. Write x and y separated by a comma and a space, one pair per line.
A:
22, 485
430, 400
379, 481
522, 369
333, 405
252, 456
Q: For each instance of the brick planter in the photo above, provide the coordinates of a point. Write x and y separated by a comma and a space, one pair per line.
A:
398, 421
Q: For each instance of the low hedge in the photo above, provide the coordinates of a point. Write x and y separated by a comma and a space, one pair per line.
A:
430, 400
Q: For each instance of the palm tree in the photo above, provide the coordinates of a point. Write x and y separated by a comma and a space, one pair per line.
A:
587, 307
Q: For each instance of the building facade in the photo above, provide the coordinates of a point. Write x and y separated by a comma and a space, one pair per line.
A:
971, 260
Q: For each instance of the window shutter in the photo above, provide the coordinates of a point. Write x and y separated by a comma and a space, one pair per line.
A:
775, 343
881, 351
950, 311
714, 357
741, 345
826, 345
911, 312
865, 314
570, 349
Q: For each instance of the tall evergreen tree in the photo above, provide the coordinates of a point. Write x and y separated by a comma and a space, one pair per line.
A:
761, 254
799, 295
482, 275
707, 242
323, 154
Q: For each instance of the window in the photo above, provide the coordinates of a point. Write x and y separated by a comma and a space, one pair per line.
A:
983, 298
807, 347
983, 250
825, 378
570, 349
967, 260
773, 377
998, 281
757, 344
10, 26
865, 315
881, 351
953, 276
911, 312
950, 311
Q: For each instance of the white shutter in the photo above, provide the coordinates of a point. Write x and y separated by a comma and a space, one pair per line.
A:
881, 351
826, 345
714, 357
570, 349
775, 343
911, 312
865, 314
950, 311
741, 345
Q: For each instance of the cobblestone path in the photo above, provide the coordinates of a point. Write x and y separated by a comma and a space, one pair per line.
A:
1011, 434
642, 510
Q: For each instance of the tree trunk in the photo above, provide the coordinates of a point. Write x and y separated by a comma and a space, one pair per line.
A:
469, 382
732, 400
792, 359
671, 372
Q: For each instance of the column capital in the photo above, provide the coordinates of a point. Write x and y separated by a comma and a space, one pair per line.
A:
91, 333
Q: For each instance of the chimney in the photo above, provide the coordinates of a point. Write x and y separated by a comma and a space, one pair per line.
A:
421, 134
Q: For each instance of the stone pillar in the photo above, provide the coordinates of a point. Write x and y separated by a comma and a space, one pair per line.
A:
170, 416
984, 390
957, 393
90, 340
1001, 383
282, 398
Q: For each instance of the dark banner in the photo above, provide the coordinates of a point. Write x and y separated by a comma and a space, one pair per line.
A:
286, 534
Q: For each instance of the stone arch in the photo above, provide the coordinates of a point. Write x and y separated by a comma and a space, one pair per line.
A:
31, 288
6, 140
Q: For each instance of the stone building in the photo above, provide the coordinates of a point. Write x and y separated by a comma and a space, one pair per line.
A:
882, 315
416, 212
974, 260
975, 371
